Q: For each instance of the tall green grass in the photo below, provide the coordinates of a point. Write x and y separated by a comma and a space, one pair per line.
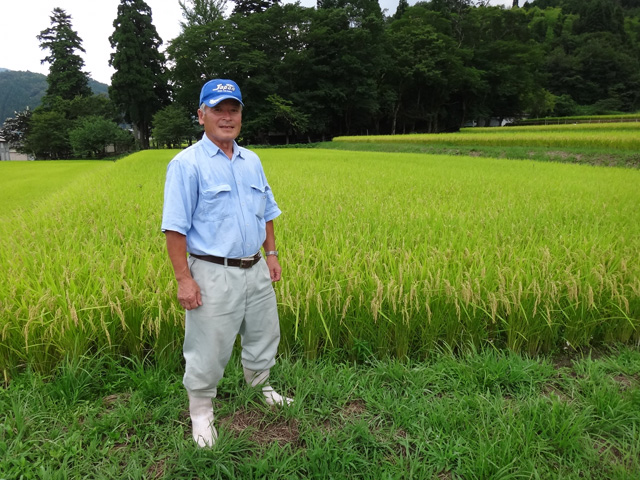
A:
383, 254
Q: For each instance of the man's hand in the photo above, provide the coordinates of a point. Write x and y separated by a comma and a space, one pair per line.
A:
274, 268
189, 294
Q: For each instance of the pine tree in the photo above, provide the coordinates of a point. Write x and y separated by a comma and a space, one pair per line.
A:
66, 78
402, 7
138, 87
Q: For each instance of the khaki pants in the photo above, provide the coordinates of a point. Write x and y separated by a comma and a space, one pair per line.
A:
234, 301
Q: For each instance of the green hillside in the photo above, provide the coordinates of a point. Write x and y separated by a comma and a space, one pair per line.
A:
19, 90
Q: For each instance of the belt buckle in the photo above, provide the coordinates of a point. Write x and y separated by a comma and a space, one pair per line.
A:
246, 262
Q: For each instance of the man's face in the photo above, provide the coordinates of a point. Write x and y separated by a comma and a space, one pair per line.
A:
222, 123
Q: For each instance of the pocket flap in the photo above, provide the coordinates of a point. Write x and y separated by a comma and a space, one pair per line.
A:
215, 190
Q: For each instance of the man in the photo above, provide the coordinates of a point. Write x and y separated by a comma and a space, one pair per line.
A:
219, 208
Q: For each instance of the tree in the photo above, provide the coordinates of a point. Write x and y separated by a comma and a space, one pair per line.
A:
508, 58
172, 125
338, 84
601, 16
68, 99
287, 117
426, 72
193, 54
139, 86
203, 32
402, 7
48, 136
247, 7
66, 78
93, 134
201, 12
14, 130
262, 52
343, 68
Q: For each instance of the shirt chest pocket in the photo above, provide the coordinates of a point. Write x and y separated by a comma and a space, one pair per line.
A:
259, 199
216, 202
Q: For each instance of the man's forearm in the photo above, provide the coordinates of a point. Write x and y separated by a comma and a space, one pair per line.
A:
188, 290
270, 241
272, 260
177, 250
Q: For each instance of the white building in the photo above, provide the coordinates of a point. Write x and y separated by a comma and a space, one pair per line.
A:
8, 153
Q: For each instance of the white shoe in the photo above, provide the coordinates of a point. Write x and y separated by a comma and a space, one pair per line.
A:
272, 397
201, 412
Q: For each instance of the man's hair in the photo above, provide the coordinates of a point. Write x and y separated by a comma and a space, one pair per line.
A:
205, 105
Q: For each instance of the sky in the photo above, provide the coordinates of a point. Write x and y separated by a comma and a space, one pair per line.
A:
22, 20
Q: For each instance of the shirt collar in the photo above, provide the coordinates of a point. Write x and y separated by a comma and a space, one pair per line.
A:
212, 149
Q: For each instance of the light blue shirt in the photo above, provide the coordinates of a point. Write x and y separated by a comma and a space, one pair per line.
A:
221, 205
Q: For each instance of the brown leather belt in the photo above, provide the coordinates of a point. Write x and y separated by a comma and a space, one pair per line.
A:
230, 262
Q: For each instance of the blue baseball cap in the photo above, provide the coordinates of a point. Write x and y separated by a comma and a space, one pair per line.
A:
217, 90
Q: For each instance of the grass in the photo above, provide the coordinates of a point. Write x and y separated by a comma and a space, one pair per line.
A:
482, 415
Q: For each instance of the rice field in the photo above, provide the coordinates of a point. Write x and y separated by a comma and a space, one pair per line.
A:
622, 117
24, 183
386, 255
606, 136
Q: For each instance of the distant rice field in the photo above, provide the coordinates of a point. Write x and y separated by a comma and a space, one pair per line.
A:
383, 254
26, 183
613, 136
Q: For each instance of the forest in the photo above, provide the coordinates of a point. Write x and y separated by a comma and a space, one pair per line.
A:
346, 67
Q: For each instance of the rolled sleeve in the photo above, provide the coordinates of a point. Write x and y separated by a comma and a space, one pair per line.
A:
180, 197
271, 210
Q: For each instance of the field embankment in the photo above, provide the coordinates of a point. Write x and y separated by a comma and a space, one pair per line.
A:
383, 254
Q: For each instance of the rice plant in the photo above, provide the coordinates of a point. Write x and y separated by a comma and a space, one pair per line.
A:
383, 255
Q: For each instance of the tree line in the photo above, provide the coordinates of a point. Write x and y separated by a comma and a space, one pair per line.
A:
347, 68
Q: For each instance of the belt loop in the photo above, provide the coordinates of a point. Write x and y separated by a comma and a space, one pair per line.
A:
225, 263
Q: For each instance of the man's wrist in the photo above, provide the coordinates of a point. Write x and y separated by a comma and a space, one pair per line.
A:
268, 253
182, 274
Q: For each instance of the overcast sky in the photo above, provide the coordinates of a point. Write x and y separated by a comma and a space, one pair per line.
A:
22, 20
